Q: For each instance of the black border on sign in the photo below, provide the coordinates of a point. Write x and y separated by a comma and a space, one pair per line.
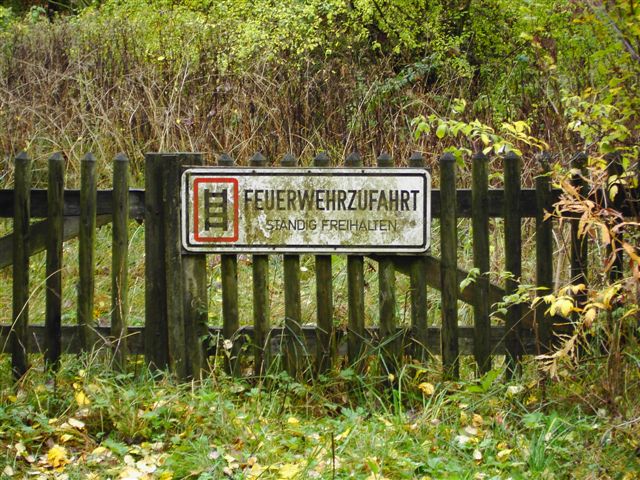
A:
218, 171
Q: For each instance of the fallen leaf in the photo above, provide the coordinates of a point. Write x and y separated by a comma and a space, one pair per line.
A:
75, 423
57, 456
427, 388
504, 454
289, 470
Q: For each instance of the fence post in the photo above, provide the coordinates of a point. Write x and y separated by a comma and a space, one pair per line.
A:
230, 312
513, 259
387, 300
261, 322
325, 332
178, 360
156, 346
20, 315
195, 300
86, 253
119, 261
480, 226
355, 285
448, 270
294, 338
544, 252
579, 246
53, 317
418, 286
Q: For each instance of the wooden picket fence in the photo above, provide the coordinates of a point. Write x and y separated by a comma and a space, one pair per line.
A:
176, 334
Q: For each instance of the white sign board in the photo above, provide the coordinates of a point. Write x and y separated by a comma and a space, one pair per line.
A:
318, 210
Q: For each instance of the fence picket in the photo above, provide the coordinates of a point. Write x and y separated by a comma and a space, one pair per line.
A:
86, 253
579, 245
195, 300
448, 270
324, 299
19, 340
230, 311
119, 261
53, 314
355, 282
261, 316
156, 339
173, 263
544, 252
387, 300
294, 340
481, 256
616, 195
418, 287
513, 259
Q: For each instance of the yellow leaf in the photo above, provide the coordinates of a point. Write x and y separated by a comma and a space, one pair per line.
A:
57, 456
589, 317
64, 438
343, 435
504, 454
293, 421
477, 421
427, 388
563, 305
81, 399
289, 470
166, 475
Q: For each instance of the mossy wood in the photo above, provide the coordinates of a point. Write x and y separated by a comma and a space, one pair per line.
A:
176, 333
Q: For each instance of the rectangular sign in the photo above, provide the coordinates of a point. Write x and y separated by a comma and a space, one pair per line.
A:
319, 210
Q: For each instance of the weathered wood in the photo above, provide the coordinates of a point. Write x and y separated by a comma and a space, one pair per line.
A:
579, 245
156, 340
544, 253
230, 310
119, 261
19, 338
72, 203
86, 251
261, 315
38, 237
615, 195
70, 338
195, 300
387, 301
418, 288
513, 259
53, 313
324, 299
481, 257
355, 285
171, 171
137, 203
294, 341
448, 273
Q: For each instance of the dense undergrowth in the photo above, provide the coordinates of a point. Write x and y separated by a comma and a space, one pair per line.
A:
238, 76
83, 423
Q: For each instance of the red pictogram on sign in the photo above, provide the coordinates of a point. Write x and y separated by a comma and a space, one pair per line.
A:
218, 199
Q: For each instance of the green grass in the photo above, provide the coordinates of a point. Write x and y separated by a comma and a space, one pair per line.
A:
339, 426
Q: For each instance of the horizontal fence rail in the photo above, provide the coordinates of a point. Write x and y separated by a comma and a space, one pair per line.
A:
176, 334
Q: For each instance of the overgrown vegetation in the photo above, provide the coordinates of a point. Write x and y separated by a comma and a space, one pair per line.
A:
336, 75
88, 424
